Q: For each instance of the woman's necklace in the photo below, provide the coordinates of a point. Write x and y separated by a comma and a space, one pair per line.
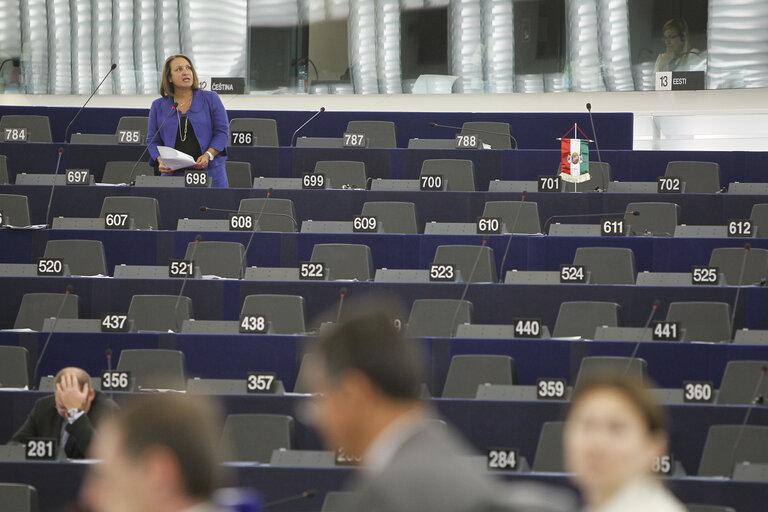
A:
186, 124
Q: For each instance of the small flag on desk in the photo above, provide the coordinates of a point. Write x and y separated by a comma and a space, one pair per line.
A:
574, 166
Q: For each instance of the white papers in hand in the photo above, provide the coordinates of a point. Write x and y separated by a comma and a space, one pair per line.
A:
175, 159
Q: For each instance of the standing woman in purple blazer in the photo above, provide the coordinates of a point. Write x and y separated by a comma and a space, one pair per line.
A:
199, 126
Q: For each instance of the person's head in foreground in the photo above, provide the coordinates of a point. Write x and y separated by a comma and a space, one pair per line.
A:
614, 431
159, 454
367, 374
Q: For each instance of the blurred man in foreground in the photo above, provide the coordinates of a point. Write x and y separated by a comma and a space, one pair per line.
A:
367, 377
70, 415
161, 454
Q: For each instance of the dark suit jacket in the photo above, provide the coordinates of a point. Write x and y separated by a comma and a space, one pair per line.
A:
44, 421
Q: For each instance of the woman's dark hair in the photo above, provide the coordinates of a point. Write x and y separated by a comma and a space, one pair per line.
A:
166, 86
636, 394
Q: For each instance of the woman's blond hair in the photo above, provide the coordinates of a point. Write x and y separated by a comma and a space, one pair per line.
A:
166, 86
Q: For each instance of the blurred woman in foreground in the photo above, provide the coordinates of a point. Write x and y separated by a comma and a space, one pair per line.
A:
613, 433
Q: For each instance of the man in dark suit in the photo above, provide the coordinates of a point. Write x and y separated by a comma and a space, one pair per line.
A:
367, 377
70, 415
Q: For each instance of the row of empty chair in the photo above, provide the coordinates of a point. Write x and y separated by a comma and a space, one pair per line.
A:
734, 266
378, 134
285, 314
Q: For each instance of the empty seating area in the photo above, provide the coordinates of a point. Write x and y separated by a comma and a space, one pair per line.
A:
504, 283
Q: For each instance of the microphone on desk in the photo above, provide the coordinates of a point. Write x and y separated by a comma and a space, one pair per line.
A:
186, 276
594, 133
67, 292
466, 286
146, 147
305, 495
53, 186
111, 69
276, 214
654, 308
511, 232
342, 294
739, 285
255, 223
471, 130
587, 215
293, 137
754, 400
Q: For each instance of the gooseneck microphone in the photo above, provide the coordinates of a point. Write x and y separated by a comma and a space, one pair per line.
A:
306, 495
458, 128
466, 286
588, 215
111, 69
511, 233
255, 224
67, 293
146, 148
186, 276
342, 294
755, 399
274, 214
594, 133
654, 308
293, 137
53, 186
739, 284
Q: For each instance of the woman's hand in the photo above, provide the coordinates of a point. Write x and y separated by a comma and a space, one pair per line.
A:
202, 162
162, 167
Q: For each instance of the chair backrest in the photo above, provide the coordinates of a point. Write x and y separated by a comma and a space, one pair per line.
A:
592, 366
239, 174
658, 219
140, 123
265, 130
699, 177
159, 312
84, 257
460, 174
36, 307
380, 134
343, 172
740, 383
703, 321
38, 127
15, 208
467, 372
468, 257
438, 317
345, 261
302, 376
519, 216
549, 450
759, 217
729, 261
155, 368
223, 259
116, 172
498, 138
728, 445
4, 180
337, 501
18, 497
253, 437
608, 265
145, 211
599, 177
394, 216
285, 312
581, 318
14, 367
277, 215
